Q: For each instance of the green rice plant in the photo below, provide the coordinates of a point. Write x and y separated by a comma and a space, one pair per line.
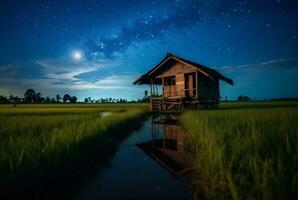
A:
57, 109
39, 149
244, 153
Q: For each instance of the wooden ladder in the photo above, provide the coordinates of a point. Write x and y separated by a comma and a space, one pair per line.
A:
156, 105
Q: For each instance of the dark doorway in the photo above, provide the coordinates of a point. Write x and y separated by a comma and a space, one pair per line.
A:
170, 86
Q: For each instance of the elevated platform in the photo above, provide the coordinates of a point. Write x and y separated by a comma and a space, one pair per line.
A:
169, 103
175, 103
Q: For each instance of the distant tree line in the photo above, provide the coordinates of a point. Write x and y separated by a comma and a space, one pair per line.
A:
31, 96
285, 99
243, 98
246, 99
114, 100
104, 100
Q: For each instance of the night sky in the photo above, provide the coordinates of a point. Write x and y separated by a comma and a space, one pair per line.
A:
97, 48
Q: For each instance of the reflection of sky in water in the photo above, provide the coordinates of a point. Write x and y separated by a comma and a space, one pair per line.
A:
105, 114
134, 175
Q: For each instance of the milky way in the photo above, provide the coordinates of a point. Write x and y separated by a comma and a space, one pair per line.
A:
120, 40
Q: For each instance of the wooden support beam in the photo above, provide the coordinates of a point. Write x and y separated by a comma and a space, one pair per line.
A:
197, 85
162, 83
151, 90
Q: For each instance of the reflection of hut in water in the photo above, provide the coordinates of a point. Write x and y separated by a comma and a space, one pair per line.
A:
167, 146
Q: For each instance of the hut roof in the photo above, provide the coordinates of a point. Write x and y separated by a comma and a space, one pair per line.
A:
170, 59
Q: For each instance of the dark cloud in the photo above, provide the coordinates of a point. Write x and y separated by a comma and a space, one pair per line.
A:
279, 64
274, 78
8, 71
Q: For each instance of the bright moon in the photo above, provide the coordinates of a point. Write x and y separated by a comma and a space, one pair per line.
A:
77, 55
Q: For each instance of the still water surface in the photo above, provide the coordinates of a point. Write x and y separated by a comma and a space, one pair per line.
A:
132, 174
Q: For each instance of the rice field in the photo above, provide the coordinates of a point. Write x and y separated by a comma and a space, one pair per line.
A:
244, 151
45, 145
241, 151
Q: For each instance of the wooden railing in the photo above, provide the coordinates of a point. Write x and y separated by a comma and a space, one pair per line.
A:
171, 91
190, 92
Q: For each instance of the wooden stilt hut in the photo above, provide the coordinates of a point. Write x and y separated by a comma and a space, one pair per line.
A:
182, 83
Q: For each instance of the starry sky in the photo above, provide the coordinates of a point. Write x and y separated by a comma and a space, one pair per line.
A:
98, 48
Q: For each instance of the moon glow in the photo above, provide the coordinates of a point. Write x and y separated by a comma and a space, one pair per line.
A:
77, 55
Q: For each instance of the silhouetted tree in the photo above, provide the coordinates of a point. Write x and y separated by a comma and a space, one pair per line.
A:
243, 98
146, 97
17, 99
58, 98
122, 100
11, 98
14, 99
39, 99
3, 99
240, 98
73, 99
48, 100
66, 98
86, 100
30, 96
90, 100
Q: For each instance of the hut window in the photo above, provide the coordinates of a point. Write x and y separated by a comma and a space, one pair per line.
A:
170, 81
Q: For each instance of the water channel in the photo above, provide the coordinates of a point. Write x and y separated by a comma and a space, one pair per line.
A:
150, 164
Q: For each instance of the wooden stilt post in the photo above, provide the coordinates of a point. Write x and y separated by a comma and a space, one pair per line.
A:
153, 88
197, 91
197, 88
162, 95
151, 100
